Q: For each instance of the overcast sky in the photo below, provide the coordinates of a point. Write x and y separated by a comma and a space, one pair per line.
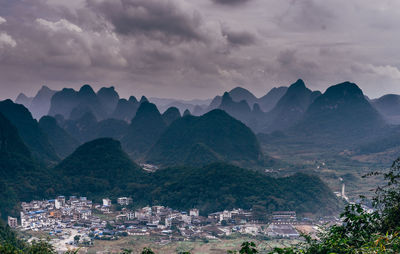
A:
198, 48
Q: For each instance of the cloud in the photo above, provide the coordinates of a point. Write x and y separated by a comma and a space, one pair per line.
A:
230, 2
2, 20
59, 25
238, 38
178, 48
7, 40
387, 71
160, 20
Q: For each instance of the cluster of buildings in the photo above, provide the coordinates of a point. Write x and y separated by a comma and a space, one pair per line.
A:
103, 221
56, 213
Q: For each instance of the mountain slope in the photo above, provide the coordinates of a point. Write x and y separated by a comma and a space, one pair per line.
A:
226, 136
88, 102
40, 104
239, 94
268, 101
221, 186
74, 104
389, 106
291, 107
63, 143
171, 114
97, 168
108, 98
126, 109
24, 100
63, 102
110, 128
29, 130
239, 110
83, 128
20, 177
342, 112
144, 130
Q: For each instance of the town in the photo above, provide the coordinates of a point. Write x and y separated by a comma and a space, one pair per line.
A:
78, 221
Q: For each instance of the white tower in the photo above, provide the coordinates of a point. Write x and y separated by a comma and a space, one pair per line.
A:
343, 187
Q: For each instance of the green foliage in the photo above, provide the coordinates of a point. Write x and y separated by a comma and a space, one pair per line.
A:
126, 251
147, 251
222, 186
246, 248
290, 108
171, 114
362, 232
10, 244
63, 143
20, 176
341, 114
216, 134
40, 247
29, 130
99, 167
387, 200
8, 238
145, 129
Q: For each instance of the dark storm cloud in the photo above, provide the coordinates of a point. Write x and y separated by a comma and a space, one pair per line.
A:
178, 48
238, 38
230, 2
161, 20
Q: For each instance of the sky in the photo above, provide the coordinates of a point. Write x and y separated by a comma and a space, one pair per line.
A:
188, 49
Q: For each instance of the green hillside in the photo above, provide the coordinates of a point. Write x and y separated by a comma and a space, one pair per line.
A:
28, 130
229, 139
222, 186
97, 167
144, 130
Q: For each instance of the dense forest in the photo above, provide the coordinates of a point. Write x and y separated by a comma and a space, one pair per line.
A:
101, 168
360, 233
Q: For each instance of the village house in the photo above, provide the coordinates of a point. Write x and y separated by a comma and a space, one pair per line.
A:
12, 222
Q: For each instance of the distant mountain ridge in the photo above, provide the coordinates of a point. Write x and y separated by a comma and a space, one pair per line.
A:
342, 112
97, 167
216, 133
290, 107
29, 130
389, 106
145, 129
38, 105
20, 177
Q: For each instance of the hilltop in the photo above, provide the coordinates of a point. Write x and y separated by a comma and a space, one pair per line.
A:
221, 136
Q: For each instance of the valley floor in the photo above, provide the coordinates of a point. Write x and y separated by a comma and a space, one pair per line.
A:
221, 246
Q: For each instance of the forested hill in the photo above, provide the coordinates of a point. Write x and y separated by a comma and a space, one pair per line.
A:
101, 169
220, 186
20, 176
220, 137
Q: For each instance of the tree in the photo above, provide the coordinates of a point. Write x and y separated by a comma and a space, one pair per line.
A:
248, 248
224, 223
109, 226
77, 238
8, 248
41, 247
147, 251
126, 251
362, 232
387, 199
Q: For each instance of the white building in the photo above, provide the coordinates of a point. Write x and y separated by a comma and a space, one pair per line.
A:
106, 202
124, 201
59, 202
194, 212
12, 222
